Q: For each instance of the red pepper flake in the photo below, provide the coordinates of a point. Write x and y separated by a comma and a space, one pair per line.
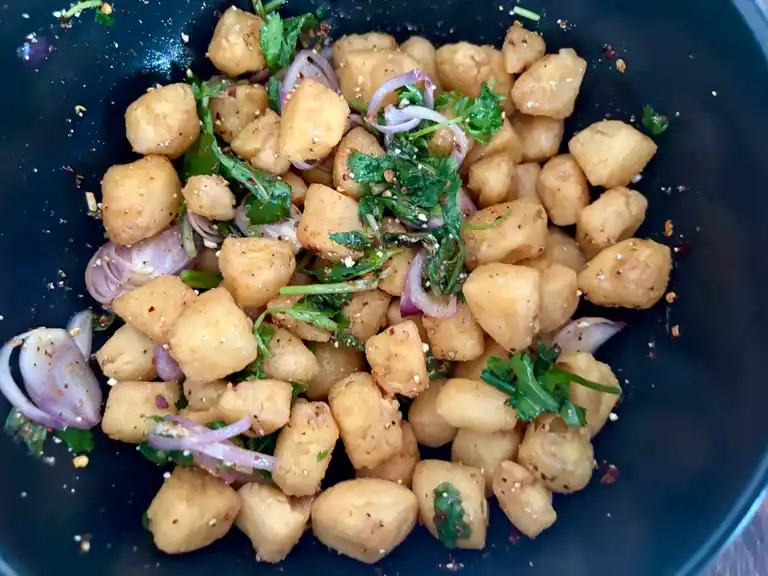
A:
514, 535
682, 248
609, 51
611, 474
161, 402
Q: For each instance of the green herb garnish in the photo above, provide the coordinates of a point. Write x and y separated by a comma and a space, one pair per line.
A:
479, 117
438, 369
298, 388
279, 37
264, 9
654, 122
22, 429
270, 198
102, 322
525, 13
449, 515
273, 87
322, 455
372, 260
78, 441
200, 279
538, 386
145, 521
103, 14
163, 458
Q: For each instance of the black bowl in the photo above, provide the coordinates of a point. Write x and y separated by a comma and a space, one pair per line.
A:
691, 441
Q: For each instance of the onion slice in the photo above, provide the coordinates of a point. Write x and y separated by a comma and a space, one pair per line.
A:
396, 83
285, 230
466, 205
80, 327
63, 391
193, 439
114, 269
205, 228
587, 334
198, 440
308, 64
168, 370
460, 140
15, 396
414, 295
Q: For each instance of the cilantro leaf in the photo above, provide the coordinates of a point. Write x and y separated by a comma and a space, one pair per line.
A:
411, 95
438, 369
367, 169
145, 521
298, 388
373, 259
345, 339
104, 19
264, 9
449, 515
273, 87
538, 386
278, 38
200, 279
654, 122
322, 310
480, 117
322, 455
22, 429
78, 441
270, 199
163, 458
356, 240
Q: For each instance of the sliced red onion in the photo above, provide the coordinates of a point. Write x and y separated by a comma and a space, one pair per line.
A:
466, 205
114, 269
353, 121
587, 334
168, 370
205, 228
395, 121
282, 230
202, 435
58, 379
414, 294
222, 450
308, 64
229, 453
80, 327
301, 165
461, 142
14, 394
396, 83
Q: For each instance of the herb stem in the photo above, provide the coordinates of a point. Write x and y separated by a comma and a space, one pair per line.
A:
525, 13
272, 6
434, 127
80, 7
335, 288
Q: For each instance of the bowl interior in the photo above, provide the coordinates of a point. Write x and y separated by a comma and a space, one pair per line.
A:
691, 438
